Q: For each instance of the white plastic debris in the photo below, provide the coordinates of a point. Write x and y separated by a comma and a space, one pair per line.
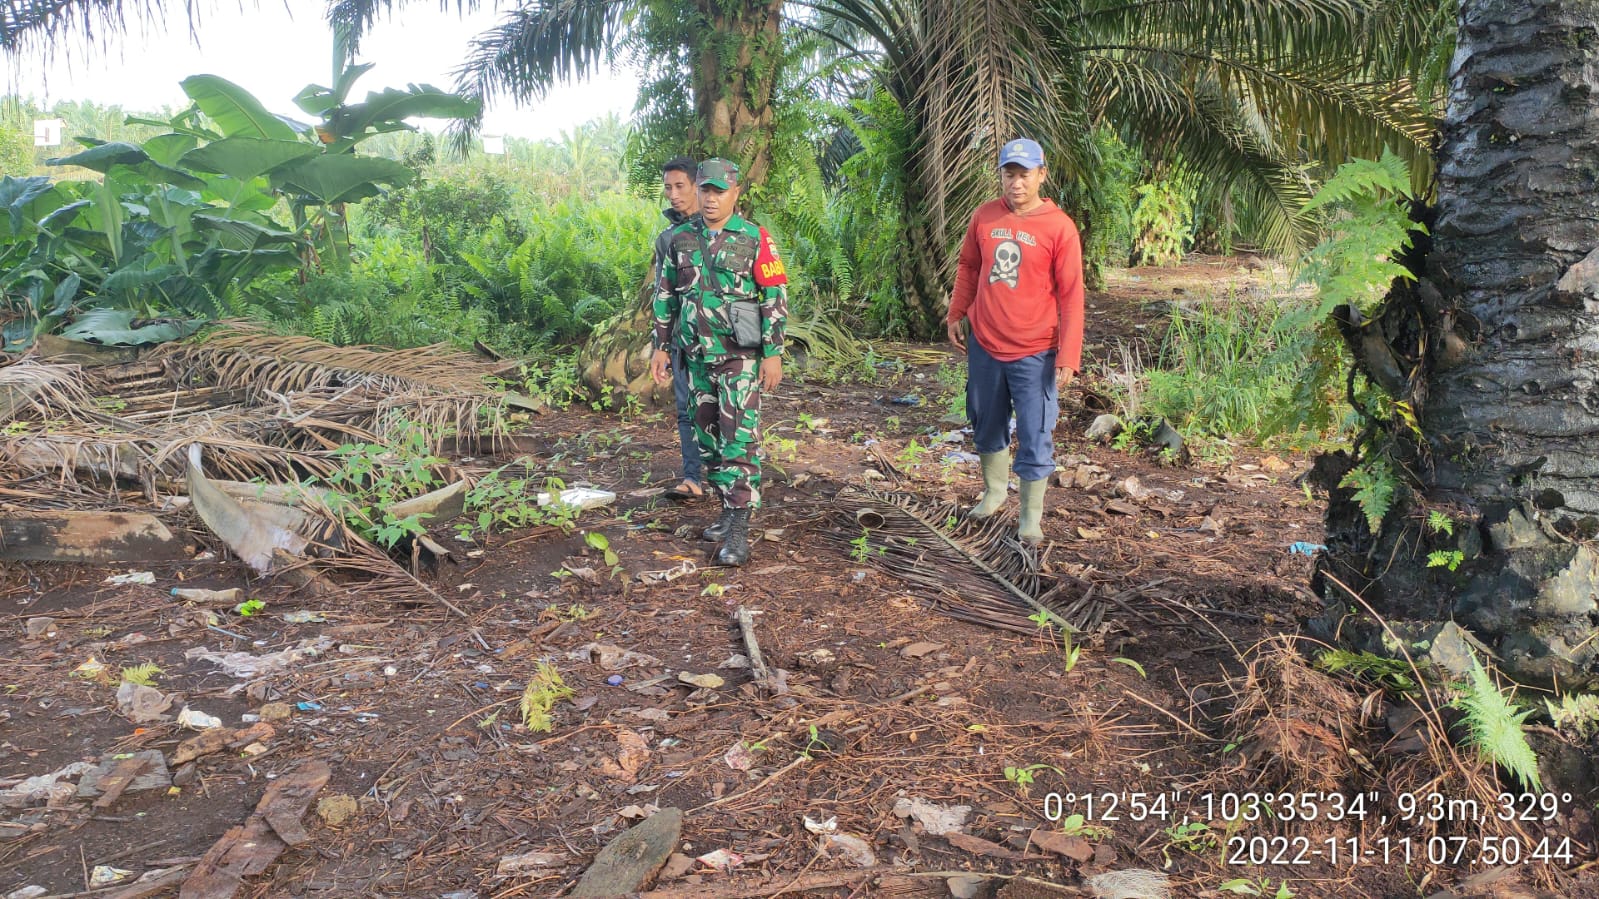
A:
851, 848
132, 577
667, 575
721, 860
105, 875
828, 826
249, 665
194, 719
581, 497
45, 787
304, 616
141, 704
935, 819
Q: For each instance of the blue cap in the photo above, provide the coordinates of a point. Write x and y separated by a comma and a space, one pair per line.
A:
1022, 151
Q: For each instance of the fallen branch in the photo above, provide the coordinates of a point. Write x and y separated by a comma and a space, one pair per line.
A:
158, 884
746, 625
888, 880
821, 880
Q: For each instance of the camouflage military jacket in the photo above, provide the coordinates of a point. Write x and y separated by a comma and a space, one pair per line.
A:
746, 266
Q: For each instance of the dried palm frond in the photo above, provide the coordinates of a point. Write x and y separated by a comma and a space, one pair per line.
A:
41, 390
244, 355
975, 571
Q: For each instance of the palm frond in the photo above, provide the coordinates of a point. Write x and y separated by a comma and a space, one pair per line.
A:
29, 25
974, 571
542, 43
357, 17
47, 390
245, 355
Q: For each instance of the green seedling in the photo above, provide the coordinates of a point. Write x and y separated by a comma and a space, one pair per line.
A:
543, 691
1078, 826
597, 540
1133, 665
1070, 651
249, 607
1023, 777
143, 675
1262, 887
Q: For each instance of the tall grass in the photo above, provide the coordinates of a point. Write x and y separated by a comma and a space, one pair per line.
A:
1226, 368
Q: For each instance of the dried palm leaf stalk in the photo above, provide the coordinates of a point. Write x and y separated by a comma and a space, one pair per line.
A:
31, 390
972, 570
245, 355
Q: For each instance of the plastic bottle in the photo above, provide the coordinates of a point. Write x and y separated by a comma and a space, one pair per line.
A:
200, 594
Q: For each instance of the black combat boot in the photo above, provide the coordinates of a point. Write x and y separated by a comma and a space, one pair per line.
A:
717, 531
735, 549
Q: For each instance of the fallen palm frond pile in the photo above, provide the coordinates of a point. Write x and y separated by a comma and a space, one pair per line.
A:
264, 406
971, 570
1380, 741
242, 418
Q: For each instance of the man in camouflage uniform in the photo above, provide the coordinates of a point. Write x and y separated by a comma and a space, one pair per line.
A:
723, 281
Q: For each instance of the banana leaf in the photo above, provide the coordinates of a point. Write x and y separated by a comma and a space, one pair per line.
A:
342, 178
235, 110
122, 327
245, 158
103, 157
168, 149
17, 196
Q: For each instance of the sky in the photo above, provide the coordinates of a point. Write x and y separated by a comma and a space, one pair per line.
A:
274, 54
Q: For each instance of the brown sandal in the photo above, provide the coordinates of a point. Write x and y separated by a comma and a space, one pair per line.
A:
685, 492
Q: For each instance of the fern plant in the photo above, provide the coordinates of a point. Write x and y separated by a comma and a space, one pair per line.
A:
1163, 222
1365, 204
1576, 713
1374, 483
143, 675
543, 691
1365, 216
1495, 727
1391, 673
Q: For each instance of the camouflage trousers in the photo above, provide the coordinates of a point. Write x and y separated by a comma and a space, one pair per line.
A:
727, 427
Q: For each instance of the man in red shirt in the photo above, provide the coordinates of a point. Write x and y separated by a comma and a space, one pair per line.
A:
1020, 284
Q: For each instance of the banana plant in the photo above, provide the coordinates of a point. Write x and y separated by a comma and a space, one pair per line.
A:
315, 166
174, 227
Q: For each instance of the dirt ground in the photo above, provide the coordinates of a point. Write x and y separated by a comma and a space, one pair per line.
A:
438, 789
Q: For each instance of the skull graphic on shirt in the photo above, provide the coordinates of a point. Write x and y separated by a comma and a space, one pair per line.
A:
1007, 264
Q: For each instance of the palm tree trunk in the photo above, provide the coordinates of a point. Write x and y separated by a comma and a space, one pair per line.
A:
927, 266
1499, 342
733, 103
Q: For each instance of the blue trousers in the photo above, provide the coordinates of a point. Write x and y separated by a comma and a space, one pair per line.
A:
693, 468
1026, 387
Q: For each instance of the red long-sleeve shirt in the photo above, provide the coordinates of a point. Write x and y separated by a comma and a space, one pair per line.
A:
1020, 282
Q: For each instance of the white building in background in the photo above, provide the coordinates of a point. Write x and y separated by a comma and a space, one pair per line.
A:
47, 132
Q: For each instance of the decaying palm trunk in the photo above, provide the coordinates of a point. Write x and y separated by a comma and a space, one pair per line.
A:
1496, 348
617, 356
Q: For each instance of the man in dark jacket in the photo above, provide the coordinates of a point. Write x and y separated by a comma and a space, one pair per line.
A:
682, 197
